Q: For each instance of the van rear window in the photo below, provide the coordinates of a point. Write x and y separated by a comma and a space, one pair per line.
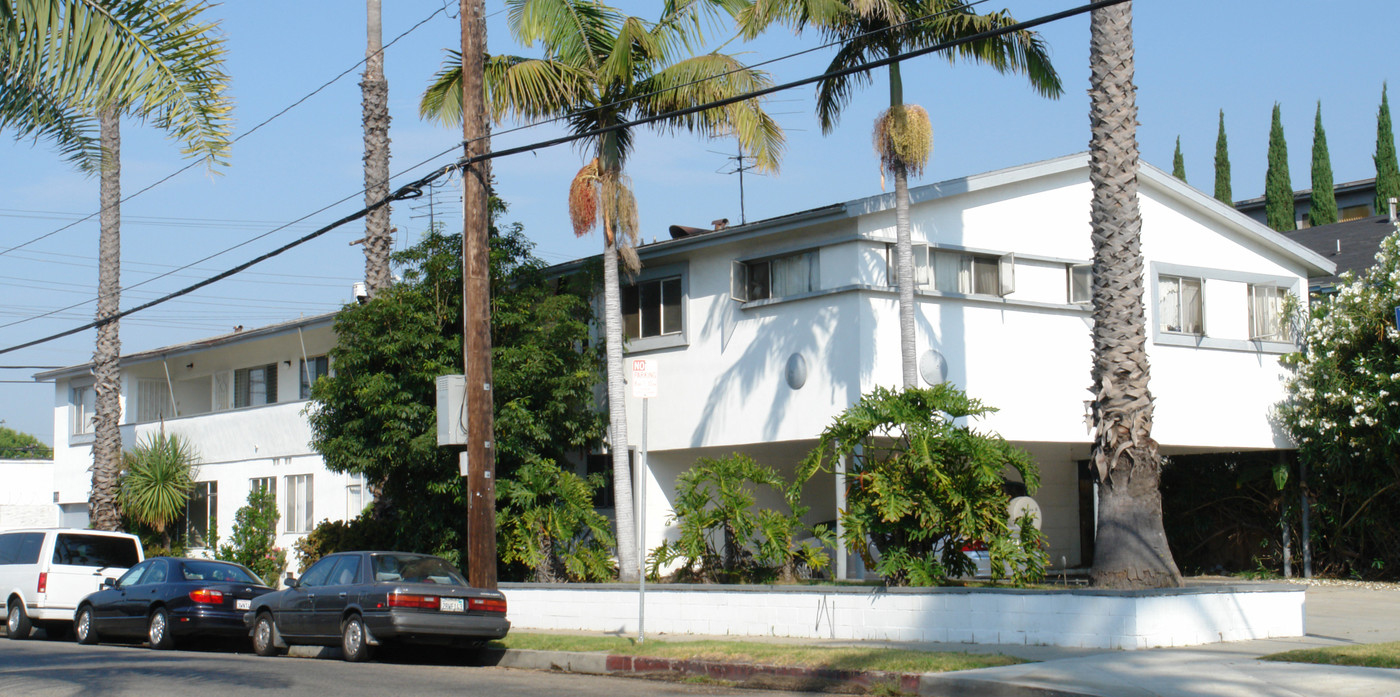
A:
95, 550
21, 547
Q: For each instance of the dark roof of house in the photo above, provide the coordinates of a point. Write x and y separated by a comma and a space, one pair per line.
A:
1302, 195
1351, 245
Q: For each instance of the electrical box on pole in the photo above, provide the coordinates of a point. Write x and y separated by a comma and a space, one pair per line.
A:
451, 410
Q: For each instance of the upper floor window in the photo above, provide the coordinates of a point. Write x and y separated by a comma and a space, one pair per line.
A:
1266, 315
778, 277
311, 370
1179, 305
1081, 283
153, 400
920, 264
652, 308
977, 274
84, 403
255, 386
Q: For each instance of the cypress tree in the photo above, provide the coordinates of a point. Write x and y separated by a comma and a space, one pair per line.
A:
1222, 166
1322, 209
1178, 162
1278, 187
1387, 170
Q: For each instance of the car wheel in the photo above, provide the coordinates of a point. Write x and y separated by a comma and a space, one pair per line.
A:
82, 626
17, 622
158, 631
265, 636
353, 639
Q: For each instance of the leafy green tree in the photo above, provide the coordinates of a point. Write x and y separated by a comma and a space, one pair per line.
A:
158, 481
724, 537
601, 70
1131, 547
548, 524
1278, 186
254, 542
376, 414
1343, 411
1178, 162
1322, 208
903, 134
922, 487
1387, 169
16, 445
1222, 165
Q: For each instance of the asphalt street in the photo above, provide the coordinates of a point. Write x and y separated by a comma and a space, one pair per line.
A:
58, 668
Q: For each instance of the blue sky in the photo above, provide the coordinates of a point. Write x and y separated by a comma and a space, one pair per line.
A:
1194, 58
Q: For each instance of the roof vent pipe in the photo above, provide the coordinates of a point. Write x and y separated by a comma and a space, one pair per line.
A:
1393, 201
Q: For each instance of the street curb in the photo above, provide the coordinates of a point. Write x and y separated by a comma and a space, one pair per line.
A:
945, 685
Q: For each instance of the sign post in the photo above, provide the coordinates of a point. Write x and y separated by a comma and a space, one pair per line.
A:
644, 387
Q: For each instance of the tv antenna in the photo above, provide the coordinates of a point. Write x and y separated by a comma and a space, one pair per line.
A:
737, 164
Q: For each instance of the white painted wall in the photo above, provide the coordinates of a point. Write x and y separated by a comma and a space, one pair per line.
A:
26, 494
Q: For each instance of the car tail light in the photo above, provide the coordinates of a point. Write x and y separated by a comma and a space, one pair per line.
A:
487, 604
207, 596
975, 546
43, 581
421, 602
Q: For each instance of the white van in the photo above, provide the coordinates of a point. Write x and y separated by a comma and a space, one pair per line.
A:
45, 572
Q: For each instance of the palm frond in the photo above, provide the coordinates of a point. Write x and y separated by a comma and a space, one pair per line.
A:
575, 32
1019, 52
156, 59
27, 111
711, 77
521, 88
834, 93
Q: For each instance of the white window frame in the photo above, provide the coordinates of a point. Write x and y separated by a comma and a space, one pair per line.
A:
153, 401
1163, 281
80, 421
357, 495
269, 381
1005, 265
300, 503
922, 272
1274, 297
740, 274
315, 362
661, 283
209, 491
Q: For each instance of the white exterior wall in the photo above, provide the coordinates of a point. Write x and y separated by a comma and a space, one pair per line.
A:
26, 497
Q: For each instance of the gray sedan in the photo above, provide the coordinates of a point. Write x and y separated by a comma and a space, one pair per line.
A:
362, 599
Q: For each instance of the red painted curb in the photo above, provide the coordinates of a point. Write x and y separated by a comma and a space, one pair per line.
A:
742, 672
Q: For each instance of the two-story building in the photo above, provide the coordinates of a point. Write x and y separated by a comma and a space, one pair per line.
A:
763, 333
239, 399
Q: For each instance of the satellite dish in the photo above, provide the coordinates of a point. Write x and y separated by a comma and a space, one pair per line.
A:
1019, 506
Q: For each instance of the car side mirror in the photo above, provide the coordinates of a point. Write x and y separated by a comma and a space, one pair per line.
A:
291, 581
109, 582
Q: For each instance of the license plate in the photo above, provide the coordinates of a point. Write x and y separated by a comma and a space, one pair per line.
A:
452, 605
243, 604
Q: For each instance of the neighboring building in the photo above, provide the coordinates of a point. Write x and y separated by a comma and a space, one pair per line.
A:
1351, 245
765, 332
239, 398
27, 497
1355, 200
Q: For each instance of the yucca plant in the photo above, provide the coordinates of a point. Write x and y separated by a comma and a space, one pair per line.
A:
158, 480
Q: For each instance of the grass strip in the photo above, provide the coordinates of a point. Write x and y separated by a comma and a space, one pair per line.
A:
763, 653
1386, 655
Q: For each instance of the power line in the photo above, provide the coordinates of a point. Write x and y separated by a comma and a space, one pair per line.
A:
414, 189
241, 136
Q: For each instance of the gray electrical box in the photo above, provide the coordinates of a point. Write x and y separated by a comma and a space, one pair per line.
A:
452, 410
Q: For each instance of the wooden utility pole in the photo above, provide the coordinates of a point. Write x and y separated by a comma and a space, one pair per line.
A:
476, 305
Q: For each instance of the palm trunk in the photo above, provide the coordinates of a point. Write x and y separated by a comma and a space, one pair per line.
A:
904, 252
627, 561
1130, 550
375, 91
107, 437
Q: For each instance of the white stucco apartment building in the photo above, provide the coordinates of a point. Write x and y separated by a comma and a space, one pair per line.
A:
763, 333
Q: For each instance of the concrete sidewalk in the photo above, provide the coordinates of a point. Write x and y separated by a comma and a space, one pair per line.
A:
1336, 615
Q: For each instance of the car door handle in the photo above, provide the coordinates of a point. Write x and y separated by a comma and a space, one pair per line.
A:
342, 595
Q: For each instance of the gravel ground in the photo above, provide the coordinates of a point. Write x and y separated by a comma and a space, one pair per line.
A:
1343, 583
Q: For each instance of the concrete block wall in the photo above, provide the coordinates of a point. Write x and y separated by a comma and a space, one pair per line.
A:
1076, 618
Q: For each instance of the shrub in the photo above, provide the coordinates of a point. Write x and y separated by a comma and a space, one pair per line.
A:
920, 486
255, 538
330, 537
725, 539
547, 524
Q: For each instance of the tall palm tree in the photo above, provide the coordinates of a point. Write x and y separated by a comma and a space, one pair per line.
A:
603, 69
875, 29
375, 91
1130, 550
70, 59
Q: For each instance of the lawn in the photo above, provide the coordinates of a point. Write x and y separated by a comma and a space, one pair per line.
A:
778, 654
1385, 655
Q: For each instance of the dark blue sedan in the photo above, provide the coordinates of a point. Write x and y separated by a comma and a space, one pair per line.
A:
164, 598
357, 600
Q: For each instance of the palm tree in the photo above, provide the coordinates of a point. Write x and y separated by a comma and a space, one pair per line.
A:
603, 69
375, 91
159, 477
875, 29
1130, 550
69, 59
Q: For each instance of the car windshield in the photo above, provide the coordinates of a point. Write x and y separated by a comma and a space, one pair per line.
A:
215, 571
414, 568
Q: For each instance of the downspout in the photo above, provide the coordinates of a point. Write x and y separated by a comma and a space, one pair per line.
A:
170, 386
305, 364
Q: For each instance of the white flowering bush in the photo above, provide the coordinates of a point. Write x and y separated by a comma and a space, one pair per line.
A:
1343, 411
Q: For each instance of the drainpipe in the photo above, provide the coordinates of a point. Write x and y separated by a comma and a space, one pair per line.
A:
175, 411
305, 364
